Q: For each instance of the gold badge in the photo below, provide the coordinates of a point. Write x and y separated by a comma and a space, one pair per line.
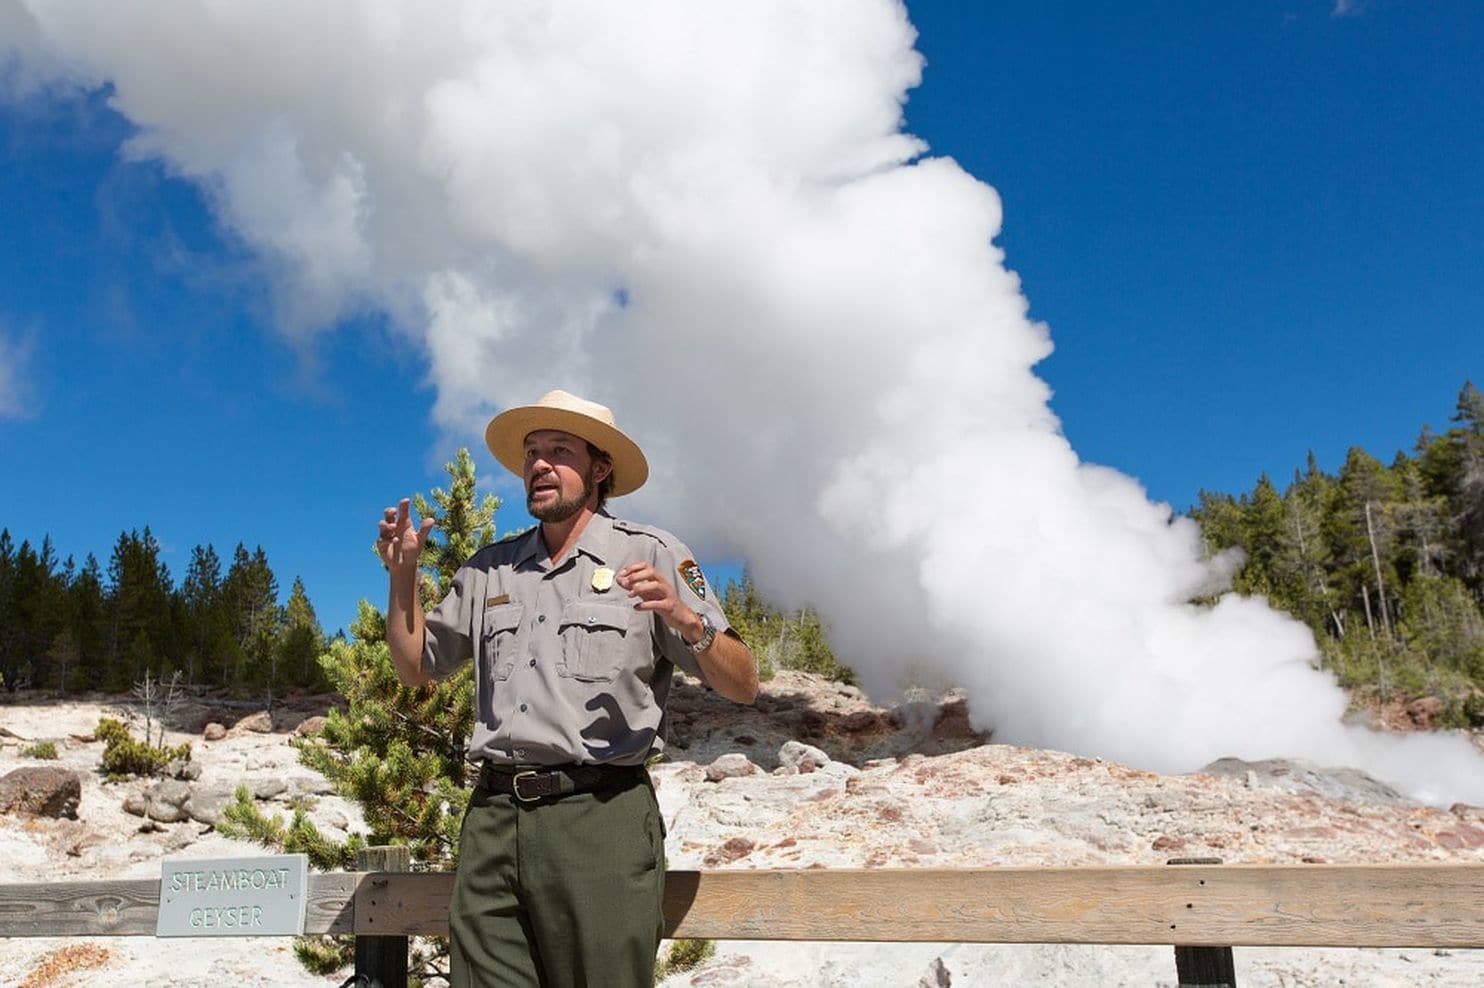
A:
504, 598
602, 579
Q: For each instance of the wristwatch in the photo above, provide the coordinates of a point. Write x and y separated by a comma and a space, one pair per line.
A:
708, 635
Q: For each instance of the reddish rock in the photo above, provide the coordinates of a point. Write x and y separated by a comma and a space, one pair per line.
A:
1461, 837
259, 723
1165, 842
733, 850
730, 766
310, 725
1421, 712
891, 813
41, 790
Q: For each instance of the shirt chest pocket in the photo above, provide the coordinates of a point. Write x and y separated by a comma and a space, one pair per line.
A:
595, 640
501, 629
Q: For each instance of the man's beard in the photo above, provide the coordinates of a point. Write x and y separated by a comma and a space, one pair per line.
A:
562, 508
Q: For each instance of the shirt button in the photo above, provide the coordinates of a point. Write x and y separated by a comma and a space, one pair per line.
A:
533, 663
541, 618
522, 708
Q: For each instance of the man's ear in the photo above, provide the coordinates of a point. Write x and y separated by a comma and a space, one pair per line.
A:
602, 469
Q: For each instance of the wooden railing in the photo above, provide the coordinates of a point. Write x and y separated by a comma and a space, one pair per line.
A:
1196, 906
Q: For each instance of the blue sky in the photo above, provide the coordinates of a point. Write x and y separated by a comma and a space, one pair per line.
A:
1253, 229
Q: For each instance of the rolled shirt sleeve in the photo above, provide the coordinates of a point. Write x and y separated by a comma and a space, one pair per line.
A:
448, 635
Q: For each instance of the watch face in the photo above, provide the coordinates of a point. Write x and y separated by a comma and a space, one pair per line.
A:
707, 634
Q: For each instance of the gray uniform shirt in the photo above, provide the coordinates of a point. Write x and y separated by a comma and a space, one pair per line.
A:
567, 671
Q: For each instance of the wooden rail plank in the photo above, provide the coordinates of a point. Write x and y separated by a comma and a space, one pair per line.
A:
125, 908
1277, 905
1196, 905
1427, 905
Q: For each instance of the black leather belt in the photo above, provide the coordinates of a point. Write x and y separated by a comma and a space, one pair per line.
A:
530, 785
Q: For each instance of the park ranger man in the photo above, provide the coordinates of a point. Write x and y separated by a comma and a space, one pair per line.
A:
575, 628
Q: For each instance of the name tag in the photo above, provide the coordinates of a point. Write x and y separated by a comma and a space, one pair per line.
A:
504, 598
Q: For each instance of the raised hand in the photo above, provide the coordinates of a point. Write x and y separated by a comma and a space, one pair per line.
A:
652, 592
399, 544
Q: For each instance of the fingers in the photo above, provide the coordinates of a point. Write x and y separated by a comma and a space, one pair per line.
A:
643, 582
396, 524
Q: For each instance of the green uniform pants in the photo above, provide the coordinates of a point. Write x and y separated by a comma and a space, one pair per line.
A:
560, 893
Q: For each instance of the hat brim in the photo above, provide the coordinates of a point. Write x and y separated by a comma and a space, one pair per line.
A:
506, 438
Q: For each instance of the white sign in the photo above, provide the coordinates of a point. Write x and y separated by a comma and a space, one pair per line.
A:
233, 897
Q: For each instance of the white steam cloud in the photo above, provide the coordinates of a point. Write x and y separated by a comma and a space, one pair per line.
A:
673, 207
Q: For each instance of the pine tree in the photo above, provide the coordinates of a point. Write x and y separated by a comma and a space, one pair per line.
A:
205, 624
301, 641
250, 593
397, 751
139, 611
90, 623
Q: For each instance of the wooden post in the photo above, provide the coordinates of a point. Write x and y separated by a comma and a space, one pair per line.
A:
381, 962
1203, 967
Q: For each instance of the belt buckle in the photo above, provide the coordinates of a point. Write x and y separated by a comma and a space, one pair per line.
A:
515, 786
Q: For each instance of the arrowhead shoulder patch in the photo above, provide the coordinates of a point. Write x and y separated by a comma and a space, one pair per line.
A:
690, 572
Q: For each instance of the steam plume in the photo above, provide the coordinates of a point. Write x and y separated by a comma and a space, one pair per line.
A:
674, 207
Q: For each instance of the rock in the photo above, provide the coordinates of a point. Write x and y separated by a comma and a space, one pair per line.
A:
163, 802
734, 849
953, 724
313, 785
937, 975
205, 805
259, 723
310, 725
167, 800
41, 790
797, 755
213, 732
1299, 776
180, 838
730, 766
1423, 711
184, 768
267, 788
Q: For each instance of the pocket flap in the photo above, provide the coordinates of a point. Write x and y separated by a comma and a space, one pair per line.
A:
503, 617
597, 615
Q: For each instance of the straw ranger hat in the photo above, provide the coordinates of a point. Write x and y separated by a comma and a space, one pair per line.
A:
506, 436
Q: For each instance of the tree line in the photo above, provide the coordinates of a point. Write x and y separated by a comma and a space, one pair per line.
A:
69, 627
1383, 561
